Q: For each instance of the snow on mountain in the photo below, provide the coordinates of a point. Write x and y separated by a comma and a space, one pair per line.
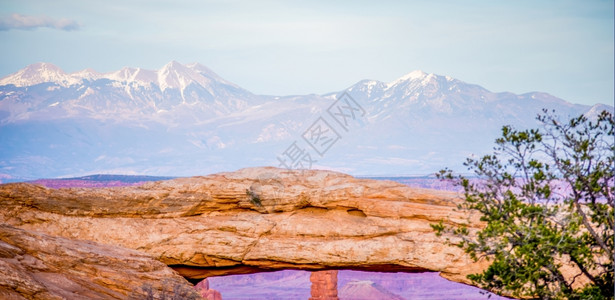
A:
174, 93
187, 120
87, 74
419, 96
132, 75
39, 73
173, 75
208, 73
420, 89
412, 76
178, 76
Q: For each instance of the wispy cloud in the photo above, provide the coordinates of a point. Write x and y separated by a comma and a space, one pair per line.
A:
19, 21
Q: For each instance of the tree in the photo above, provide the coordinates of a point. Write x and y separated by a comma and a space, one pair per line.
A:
546, 197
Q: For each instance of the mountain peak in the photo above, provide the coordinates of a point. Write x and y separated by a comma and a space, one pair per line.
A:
128, 74
44, 66
176, 75
88, 73
416, 74
173, 65
38, 73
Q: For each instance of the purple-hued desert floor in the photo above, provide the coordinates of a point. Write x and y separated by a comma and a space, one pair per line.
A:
292, 284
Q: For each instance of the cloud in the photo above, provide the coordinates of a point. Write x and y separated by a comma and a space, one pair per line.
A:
18, 21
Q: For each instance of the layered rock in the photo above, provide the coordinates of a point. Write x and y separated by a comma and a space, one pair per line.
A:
38, 266
324, 285
255, 219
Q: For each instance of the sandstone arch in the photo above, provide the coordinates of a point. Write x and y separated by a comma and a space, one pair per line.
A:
232, 223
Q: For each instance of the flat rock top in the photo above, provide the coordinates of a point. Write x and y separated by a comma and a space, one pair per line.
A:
266, 190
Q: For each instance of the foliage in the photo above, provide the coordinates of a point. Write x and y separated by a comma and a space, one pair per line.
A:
546, 196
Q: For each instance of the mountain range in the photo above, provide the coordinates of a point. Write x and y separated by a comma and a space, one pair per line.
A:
186, 120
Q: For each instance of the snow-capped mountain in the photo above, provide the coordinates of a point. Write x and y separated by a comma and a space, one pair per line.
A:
186, 120
129, 93
39, 73
172, 75
424, 94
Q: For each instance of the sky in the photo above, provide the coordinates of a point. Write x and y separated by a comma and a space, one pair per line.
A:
564, 48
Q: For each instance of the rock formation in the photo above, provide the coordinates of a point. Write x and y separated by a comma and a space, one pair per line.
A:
38, 266
210, 294
324, 285
253, 220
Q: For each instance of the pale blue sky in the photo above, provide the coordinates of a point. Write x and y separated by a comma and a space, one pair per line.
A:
296, 47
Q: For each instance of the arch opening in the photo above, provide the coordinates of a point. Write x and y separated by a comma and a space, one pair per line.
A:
343, 284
